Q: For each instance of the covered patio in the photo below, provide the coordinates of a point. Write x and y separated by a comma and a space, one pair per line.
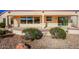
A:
19, 22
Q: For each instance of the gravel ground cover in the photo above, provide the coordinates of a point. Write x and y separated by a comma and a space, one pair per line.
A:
72, 42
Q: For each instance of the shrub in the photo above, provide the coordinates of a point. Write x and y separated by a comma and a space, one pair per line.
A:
2, 32
58, 33
5, 33
2, 25
32, 33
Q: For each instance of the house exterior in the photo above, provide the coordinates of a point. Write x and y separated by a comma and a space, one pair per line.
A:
41, 18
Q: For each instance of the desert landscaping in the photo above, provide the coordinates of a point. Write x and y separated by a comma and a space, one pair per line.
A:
72, 41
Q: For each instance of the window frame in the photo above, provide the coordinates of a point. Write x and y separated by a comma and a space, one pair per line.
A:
37, 19
29, 20
22, 20
47, 19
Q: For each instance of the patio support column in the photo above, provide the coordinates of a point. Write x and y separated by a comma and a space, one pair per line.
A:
42, 17
6, 22
9, 20
18, 22
43, 24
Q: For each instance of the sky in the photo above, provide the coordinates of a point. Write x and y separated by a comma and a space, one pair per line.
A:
2, 11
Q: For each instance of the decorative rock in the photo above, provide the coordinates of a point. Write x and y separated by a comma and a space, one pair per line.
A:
20, 46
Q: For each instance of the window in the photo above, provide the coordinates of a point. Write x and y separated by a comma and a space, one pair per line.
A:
36, 19
23, 20
29, 20
48, 18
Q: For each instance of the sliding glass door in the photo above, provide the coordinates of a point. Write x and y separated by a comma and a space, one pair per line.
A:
62, 21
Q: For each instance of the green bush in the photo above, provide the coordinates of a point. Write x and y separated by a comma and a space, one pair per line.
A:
2, 25
58, 33
32, 34
2, 32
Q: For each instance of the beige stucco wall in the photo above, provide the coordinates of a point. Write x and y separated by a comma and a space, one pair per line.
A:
5, 15
40, 26
25, 13
1, 19
60, 13
45, 13
40, 13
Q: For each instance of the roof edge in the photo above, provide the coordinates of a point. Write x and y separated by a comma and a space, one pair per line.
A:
41, 10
